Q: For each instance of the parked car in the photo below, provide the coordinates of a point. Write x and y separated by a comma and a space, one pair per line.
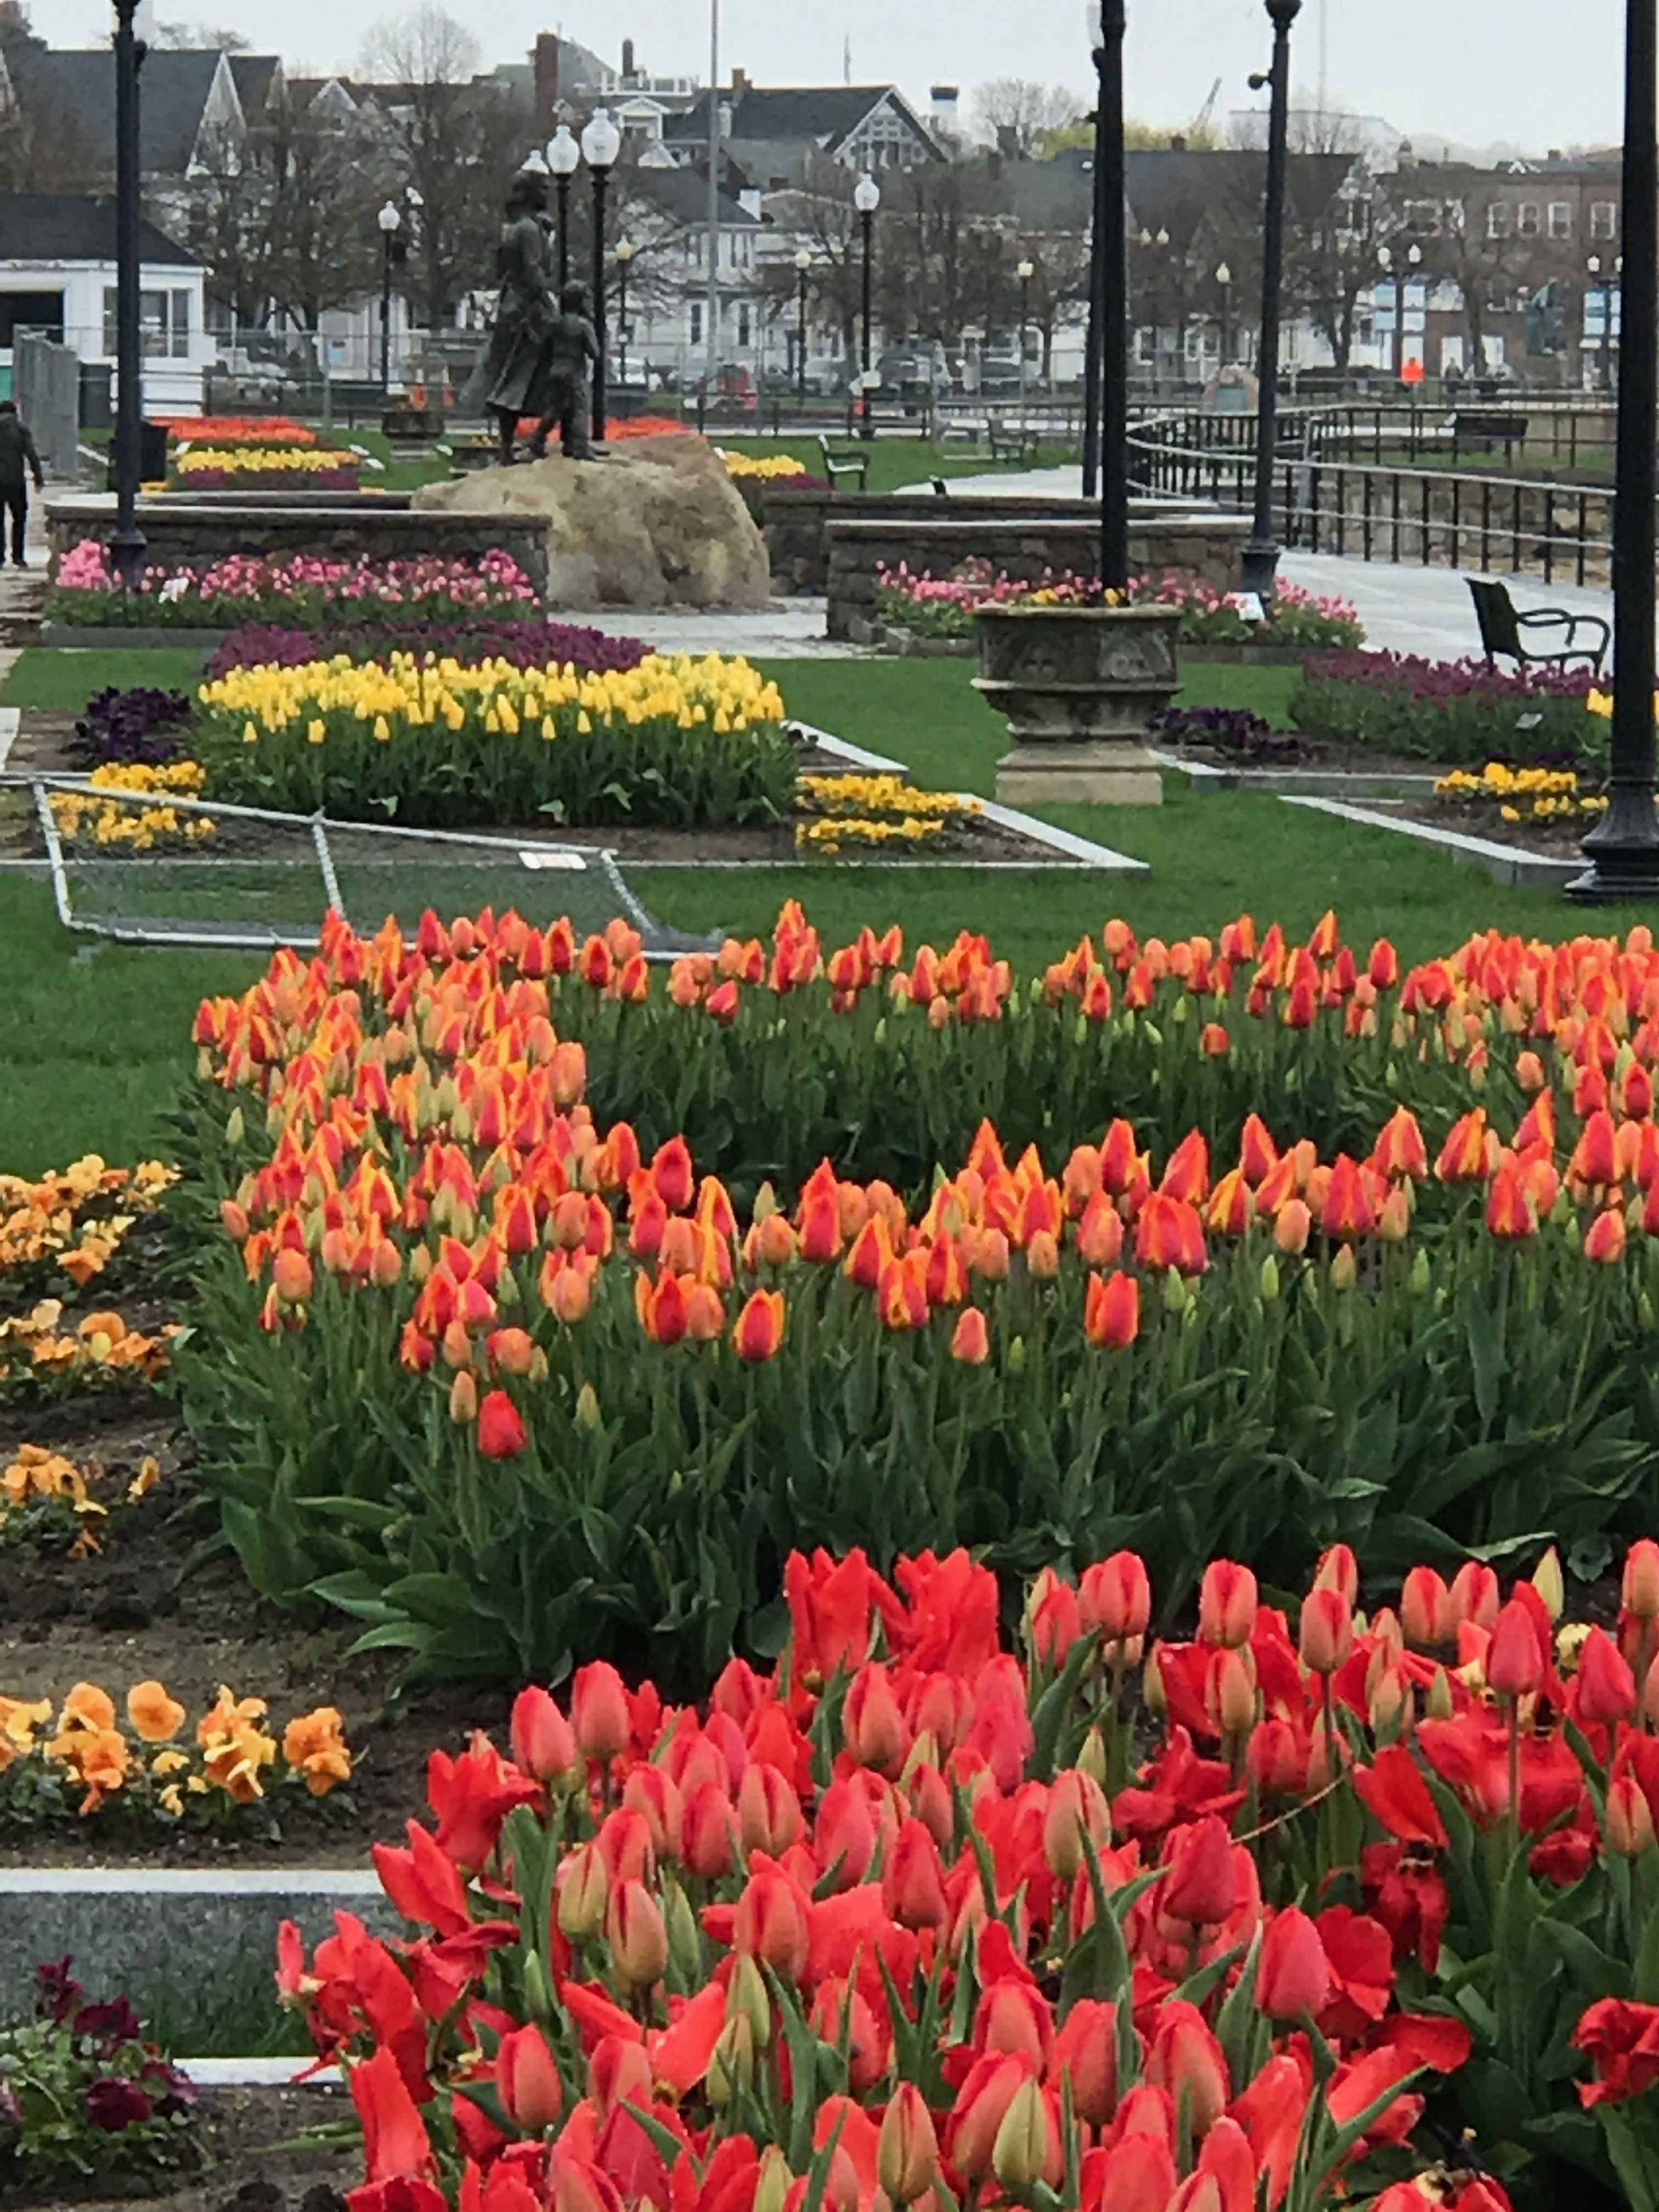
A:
828, 376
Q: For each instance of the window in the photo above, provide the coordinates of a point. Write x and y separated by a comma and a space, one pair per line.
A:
1604, 219
1146, 346
1529, 219
163, 324
1423, 217
31, 311
744, 338
697, 322
1500, 219
1560, 218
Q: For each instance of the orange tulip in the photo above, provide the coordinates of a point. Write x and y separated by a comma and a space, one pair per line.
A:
971, 1342
1111, 1314
757, 1332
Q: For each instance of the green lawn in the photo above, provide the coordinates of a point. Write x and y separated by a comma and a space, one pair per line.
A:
894, 462
95, 1037
62, 679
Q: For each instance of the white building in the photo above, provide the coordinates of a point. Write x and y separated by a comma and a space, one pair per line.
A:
57, 275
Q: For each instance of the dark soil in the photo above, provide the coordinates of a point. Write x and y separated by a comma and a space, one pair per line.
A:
145, 1608
243, 2165
1561, 836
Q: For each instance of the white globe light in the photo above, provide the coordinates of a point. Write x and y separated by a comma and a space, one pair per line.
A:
563, 153
388, 218
601, 140
866, 194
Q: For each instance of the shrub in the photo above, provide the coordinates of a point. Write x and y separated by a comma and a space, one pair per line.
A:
1234, 732
1458, 712
677, 741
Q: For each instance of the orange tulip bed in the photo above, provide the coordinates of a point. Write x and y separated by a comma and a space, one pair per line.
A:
1366, 1916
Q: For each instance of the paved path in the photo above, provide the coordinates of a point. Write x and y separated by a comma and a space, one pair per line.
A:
789, 630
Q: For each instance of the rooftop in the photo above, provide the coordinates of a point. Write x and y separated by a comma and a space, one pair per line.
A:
63, 227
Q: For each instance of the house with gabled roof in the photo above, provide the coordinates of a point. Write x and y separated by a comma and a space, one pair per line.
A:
774, 135
192, 100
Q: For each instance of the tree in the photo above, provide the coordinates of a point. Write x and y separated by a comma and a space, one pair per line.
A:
324, 196
200, 38
43, 146
1020, 118
452, 144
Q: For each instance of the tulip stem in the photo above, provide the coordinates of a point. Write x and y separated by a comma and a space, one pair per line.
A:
1514, 1775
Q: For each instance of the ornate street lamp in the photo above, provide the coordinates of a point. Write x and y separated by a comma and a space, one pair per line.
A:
1025, 271
626, 249
1261, 560
389, 219
601, 144
1623, 848
866, 198
803, 266
127, 545
563, 155
1108, 22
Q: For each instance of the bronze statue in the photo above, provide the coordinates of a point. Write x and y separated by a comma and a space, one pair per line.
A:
573, 347
512, 377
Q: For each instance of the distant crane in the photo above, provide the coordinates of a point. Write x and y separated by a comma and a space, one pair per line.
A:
1200, 121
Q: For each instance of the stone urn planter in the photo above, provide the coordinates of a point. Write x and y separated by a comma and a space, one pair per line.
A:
1080, 686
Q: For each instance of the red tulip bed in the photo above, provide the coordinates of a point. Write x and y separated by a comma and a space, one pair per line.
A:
1310, 1908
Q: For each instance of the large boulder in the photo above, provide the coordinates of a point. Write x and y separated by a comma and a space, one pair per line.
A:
656, 523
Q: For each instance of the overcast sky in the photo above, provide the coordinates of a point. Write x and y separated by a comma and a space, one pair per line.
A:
1527, 72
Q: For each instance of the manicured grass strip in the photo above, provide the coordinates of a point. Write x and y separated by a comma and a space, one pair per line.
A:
895, 463
61, 680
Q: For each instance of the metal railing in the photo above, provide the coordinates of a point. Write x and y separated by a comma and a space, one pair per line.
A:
1428, 517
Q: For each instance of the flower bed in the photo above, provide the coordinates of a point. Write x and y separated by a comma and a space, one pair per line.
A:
94, 817
1457, 712
913, 1919
522, 640
874, 812
944, 607
300, 589
559, 1330
239, 430
265, 468
48, 1499
85, 2099
679, 741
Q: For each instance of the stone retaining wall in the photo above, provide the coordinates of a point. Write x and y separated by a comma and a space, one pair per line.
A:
382, 528
1027, 545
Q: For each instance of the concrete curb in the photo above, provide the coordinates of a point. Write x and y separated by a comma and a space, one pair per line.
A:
127, 637
1504, 863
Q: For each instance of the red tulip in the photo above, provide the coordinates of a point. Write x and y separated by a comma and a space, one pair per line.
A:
1085, 2053
471, 1796
1622, 2041
770, 1923
1201, 1881
652, 1793
709, 1830
971, 1342
768, 1810
1115, 1597
633, 1929
1185, 2058
1013, 2019
1424, 1607
1628, 1823
913, 1879
1606, 1240
1515, 1664
423, 1882
544, 1742
844, 1834
1604, 1688
1641, 1582
872, 1727
1077, 1808
1137, 2174
1056, 1621
598, 1712
757, 1332
1326, 1631
1294, 1977
528, 2082
500, 1427
981, 2104
1226, 1604
1111, 1316
395, 2139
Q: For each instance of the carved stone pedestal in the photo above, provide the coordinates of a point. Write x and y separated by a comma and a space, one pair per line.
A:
1080, 686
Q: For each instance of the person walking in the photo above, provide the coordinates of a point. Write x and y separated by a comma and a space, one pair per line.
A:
16, 454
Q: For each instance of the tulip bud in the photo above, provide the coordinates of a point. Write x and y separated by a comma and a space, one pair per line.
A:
1294, 1975
1020, 2151
1227, 1604
732, 2065
1200, 1882
1423, 1606
1344, 1269
1085, 2054
1327, 1630
598, 1710
907, 2148
1549, 1584
1091, 1758
1441, 1704
1077, 1807
537, 1990
528, 2082
1153, 1690
685, 1960
746, 1993
583, 1891
638, 1940
1269, 1279
235, 1126
543, 1742
1629, 1819
291, 1273
586, 1415
1292, 1226
772, 2184
463, 1399
1515, 1665
1641, 1584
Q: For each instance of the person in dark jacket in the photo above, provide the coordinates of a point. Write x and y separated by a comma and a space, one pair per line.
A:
16, 454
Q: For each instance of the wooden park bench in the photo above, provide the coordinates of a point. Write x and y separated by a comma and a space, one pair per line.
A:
1501, 627
1471, 427
1012, 442
837, 465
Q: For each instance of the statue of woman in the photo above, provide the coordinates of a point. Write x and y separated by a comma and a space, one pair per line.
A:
513, 377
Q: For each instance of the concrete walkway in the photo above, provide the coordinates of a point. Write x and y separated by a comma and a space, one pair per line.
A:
789, 630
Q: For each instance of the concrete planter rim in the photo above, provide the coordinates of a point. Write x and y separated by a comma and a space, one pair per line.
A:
1146, 614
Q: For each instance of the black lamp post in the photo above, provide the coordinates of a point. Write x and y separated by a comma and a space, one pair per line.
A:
601, 144
127, 545
1224, 277
1601, 283
563, 156
866, 198
1025, 271
803, 264
1261, 560
1623, 848
389, 218
1108, 22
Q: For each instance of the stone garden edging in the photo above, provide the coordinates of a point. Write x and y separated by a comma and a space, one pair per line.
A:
128, 637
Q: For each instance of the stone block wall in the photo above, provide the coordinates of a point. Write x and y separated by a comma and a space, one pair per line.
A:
197, 530
1027, 545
